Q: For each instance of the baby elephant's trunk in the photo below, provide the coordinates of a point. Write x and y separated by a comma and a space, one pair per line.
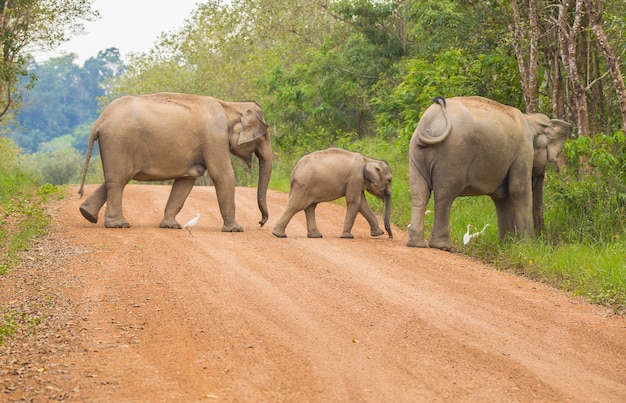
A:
388, 214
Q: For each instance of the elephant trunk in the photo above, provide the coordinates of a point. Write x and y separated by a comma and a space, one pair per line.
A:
265, 171
388, 214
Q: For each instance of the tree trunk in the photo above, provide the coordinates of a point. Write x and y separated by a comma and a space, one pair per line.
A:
618, 80
528, 76
568, 40
533, 35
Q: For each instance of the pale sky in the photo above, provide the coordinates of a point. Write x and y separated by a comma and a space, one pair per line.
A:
129, 25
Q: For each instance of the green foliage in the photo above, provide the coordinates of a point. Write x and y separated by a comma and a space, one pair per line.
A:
65, 98
587, 198
22, 218
57, 166
451, 72
34, 25
12, 179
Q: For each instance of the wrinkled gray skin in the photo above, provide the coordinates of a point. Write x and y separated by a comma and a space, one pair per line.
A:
470, 146
176, 136
327, 175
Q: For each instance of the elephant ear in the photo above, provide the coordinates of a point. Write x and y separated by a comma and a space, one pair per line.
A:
372, 172
555, 133
253, 126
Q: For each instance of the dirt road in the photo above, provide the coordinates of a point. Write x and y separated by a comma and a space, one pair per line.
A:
147, 314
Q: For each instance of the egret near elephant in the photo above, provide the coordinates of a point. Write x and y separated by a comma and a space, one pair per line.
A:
467, 237
470, 146
192, 223
176, 136
327, 175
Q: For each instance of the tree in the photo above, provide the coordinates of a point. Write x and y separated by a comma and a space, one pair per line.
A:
566, 42
64, 97
527, 68
611, 59
34, 25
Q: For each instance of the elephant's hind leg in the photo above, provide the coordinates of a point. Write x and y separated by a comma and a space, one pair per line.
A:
311, 224
180, 190
90, 207
420, 195
440, 237
113, 215
281, 224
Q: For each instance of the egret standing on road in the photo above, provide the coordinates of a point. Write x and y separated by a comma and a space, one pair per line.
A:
192, 222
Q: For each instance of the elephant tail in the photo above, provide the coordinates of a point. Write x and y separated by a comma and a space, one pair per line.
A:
93, 136
426, 137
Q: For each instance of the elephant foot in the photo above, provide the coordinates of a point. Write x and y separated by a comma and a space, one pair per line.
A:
447, 246
232, 228
279, 234
314, 235
90, 217
416, 243
117, 225
347, 235
377, 232
170, 224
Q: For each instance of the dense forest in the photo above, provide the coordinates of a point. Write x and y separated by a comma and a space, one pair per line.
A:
63, 100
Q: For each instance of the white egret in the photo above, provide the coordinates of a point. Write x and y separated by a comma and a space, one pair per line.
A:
192, 222
468, 236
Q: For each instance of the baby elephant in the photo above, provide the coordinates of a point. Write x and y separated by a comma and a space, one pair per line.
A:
327, 175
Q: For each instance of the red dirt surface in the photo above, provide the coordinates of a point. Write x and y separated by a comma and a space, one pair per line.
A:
149, 314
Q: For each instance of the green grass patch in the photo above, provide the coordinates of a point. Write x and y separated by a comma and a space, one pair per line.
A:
13, 321
23, 220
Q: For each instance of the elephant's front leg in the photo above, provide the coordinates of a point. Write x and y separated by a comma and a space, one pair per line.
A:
369, 215
506, 221
180, 190
521, 200
91, 207
353, 206
224, 183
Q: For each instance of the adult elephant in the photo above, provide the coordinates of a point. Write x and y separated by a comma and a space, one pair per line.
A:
333, 173
469, 146
176, 136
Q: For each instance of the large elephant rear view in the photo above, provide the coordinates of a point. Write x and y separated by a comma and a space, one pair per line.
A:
469, 146
176, 136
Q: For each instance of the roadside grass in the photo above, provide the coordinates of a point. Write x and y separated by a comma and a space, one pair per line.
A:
23, 220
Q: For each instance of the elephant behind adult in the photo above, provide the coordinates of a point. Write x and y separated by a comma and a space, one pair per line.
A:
469, 146
327, 175
176, 136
